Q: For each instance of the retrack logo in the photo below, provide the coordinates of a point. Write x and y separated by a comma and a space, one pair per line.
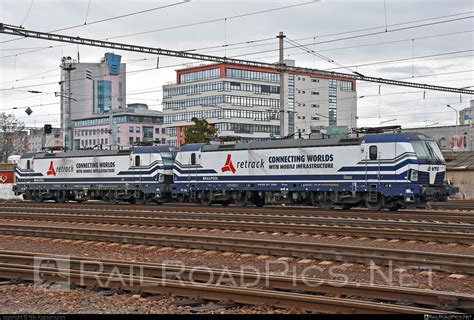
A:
228, 166
51, 171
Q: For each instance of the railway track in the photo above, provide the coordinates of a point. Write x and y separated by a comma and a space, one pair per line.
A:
447, 233
344, 253
434, 215
310, 294
454, 205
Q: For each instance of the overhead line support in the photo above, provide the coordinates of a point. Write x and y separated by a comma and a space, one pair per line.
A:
7, 29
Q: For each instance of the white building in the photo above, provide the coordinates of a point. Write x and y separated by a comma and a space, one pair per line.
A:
466, 115
244, 101
37, 139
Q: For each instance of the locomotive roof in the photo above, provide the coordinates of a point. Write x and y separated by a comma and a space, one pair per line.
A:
287, 143
97, 152
297, 143
81, 153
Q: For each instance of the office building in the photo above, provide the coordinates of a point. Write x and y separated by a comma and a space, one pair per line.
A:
90, 89
244, 102
131, 125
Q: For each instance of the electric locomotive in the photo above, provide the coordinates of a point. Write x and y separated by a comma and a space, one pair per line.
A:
141, 174
389, 170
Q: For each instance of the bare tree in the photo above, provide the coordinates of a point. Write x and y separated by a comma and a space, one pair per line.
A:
13, 137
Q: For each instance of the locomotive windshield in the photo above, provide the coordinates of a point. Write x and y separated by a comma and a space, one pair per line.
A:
167, 158
427, 150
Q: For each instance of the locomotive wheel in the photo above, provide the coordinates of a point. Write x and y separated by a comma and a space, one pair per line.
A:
206, 199
225, 203
37, 197
112, 198
27, 196
240, 199
259, 201
60, 197
375, 206
326, 202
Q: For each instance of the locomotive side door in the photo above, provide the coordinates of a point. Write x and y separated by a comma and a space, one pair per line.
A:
192, 175
374, 160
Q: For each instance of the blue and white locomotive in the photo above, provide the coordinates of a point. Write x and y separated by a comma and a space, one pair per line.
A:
140, 174
398, 170
389, 170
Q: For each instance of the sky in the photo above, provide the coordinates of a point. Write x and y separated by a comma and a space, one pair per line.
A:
423, 41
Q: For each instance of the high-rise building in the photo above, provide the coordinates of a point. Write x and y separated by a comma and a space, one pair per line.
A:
90, 89
244, 101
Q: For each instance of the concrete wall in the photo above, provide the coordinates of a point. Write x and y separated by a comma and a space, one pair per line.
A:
450, 138
464, 180
6, 191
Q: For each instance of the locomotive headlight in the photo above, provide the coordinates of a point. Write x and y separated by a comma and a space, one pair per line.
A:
161, 178
414, 175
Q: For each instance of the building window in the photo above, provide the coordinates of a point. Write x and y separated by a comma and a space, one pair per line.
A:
118, 140
157, 130
106, 141
252, 75
314, 80
315, 105
346, 85
147, 133
130, 129
199, 75
314, 118
104, 96
130, 140
315, 93
137, 139
332, 107
137, 129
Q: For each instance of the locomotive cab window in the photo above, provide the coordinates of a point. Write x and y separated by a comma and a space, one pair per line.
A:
137, 161
373, 153
193, 158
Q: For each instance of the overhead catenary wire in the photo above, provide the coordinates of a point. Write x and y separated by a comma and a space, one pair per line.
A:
310, 51
111, 18
193, 56
319, 36
27, 14
265, 39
